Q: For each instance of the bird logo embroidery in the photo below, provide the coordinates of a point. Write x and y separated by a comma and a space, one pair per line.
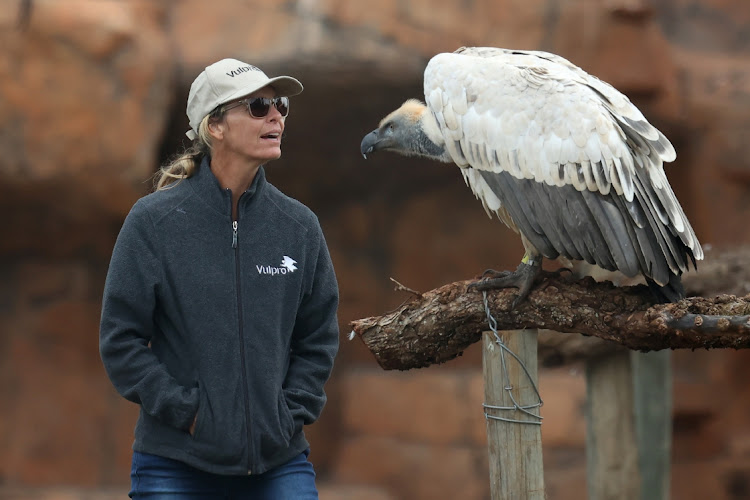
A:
288, 263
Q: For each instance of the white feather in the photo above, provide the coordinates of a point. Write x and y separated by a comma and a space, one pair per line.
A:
451, 120
588, 176
435, 101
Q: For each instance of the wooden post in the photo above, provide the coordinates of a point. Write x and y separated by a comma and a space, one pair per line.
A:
652, 395
611, 449
628, 436
515, 449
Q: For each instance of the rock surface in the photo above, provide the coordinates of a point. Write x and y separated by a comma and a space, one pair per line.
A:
92, 96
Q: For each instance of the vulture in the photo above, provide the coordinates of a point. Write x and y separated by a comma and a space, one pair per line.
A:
561, 157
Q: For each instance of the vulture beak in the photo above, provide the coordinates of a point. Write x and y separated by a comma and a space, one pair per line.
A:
369, 143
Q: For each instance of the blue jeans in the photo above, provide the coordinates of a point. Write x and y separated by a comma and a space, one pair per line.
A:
158, 478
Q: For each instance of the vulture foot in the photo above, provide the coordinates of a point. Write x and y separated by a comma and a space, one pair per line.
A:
522, 278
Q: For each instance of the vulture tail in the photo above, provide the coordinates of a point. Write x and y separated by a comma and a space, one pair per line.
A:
671, 292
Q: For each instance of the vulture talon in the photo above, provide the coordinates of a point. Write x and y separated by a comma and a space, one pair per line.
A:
522, 278
492, 274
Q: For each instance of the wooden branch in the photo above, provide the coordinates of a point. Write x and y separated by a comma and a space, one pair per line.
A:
438, 325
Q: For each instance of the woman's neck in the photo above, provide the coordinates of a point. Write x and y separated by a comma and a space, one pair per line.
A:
235, 175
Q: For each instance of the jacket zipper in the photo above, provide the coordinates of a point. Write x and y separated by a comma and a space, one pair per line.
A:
241, 334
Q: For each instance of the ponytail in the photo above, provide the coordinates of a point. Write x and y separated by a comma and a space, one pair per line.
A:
185, 165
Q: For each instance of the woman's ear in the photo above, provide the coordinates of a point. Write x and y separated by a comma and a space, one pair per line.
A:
216, 129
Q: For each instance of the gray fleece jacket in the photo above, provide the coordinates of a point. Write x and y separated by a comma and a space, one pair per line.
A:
230, 321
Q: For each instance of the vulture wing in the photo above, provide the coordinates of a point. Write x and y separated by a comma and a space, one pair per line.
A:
567, 158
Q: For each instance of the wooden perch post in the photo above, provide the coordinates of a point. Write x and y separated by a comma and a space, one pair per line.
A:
611, 453
628, 425
515, 449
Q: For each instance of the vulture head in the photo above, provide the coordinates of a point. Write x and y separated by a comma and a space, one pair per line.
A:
411, 130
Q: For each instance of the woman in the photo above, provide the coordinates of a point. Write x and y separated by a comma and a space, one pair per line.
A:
219, 308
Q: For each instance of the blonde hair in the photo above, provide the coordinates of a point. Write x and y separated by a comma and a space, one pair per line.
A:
185, 164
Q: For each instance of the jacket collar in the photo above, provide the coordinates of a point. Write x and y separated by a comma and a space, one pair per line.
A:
207, 187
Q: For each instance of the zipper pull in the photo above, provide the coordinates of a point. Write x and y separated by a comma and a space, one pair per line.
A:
234, 234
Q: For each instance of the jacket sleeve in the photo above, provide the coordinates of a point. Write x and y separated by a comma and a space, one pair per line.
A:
127, 326
315, 342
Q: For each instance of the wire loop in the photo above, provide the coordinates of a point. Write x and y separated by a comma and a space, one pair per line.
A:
492, 322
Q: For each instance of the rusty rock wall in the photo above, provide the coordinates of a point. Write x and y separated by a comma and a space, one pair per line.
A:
92, 96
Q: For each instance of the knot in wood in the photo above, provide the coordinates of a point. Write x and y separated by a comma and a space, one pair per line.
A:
725, 298
661, 325
722, 324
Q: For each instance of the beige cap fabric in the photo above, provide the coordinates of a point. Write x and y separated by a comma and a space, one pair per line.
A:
227, 80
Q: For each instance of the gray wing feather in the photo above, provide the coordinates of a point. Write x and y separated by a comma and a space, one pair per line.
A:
605, 230
550, 217
612, 225
506, 188
582, 227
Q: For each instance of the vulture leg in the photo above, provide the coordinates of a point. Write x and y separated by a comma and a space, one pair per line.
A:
522, 278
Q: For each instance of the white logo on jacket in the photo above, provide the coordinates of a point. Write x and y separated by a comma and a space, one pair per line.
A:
288, 263
287, 266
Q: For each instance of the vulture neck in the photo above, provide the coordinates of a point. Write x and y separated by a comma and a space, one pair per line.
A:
429, 141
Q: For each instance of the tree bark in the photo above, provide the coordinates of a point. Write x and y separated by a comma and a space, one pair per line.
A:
438, 325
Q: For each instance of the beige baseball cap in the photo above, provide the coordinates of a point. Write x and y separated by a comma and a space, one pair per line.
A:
227, 80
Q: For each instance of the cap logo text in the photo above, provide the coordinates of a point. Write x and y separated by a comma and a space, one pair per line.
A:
242, 69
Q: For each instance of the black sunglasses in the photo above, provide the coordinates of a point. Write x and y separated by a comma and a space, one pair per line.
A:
258, 107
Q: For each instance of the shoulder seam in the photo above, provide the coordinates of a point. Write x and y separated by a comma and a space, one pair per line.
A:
276, 204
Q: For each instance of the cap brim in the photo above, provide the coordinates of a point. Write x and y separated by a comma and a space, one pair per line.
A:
285, 86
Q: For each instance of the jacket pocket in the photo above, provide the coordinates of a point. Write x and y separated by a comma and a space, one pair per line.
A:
200, 417
286, 422
219, 430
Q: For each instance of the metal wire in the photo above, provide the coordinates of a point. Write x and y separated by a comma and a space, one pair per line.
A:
506, 379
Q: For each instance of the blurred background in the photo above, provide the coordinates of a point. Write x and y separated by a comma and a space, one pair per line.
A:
92, 101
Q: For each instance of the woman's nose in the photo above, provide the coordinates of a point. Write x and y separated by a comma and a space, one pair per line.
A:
273, 113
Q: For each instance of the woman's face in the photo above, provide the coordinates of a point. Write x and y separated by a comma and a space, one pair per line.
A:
255, 139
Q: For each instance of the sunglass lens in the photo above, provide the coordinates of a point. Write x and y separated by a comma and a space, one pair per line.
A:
282, 104
259, 106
